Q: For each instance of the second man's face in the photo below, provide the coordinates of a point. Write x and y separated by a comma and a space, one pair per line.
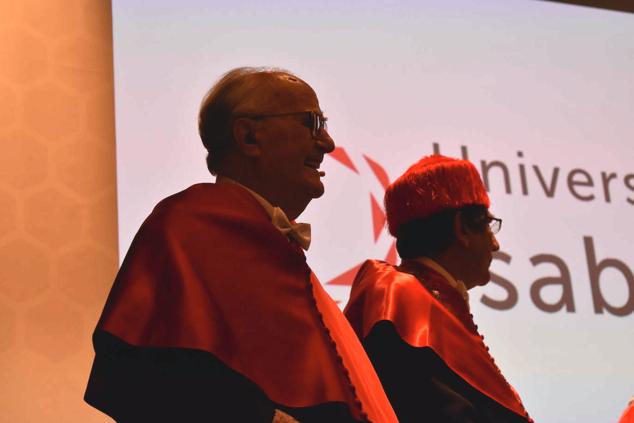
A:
483, 244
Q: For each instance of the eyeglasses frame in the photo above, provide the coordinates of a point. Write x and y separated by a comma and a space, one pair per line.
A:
317, 118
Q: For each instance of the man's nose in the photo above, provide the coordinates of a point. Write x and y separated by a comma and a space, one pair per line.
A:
325, 142
495, 245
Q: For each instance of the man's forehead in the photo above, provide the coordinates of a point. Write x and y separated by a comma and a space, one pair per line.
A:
288, 93
283, 93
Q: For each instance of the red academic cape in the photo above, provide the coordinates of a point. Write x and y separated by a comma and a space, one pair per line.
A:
382, 292
628, 414
208, 271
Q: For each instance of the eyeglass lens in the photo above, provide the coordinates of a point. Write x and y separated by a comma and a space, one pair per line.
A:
319, 123
495, 225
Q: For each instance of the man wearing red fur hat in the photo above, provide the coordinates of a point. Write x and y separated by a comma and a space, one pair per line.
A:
215, 315
414, 318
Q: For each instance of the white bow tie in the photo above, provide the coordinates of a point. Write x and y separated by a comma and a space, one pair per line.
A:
299, 232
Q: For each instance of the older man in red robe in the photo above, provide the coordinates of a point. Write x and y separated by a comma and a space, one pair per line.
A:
215, 314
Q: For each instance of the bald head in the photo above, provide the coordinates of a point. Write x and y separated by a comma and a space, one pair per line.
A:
242, 92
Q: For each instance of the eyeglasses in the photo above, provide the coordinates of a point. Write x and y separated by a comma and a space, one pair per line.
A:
495, 224
315, 121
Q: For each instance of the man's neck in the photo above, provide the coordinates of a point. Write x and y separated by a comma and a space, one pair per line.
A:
453, 266
299, 232
291, 210
263, 201
454, 282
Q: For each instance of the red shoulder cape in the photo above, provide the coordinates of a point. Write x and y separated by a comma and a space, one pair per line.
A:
381, 292
628, 414
207, 270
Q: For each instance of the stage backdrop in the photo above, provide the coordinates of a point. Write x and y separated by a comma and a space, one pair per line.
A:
540, 96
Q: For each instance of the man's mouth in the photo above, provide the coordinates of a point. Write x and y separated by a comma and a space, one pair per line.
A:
315, 164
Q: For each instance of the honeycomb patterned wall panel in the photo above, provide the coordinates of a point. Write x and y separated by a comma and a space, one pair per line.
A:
23, 55
24, 270
8, 12
42, 324
77, 68
52, 111
24, 161
58, 228
8, 216
99, 220
84, 275
53, 217
94, 128
8, 323
51, 18
8, 106
74, 165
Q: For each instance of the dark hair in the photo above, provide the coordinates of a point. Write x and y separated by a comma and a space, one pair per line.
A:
219, 105
431, 236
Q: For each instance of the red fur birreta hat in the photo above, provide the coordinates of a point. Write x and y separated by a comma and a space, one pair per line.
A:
433, 184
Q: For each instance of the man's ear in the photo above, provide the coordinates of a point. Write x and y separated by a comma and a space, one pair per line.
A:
245, 138
461, 232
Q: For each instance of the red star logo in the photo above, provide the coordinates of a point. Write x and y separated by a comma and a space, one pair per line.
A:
378, 214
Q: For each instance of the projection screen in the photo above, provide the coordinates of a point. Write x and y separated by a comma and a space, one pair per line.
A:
540, 96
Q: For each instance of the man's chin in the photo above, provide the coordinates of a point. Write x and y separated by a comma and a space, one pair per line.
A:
318, 193
316, 189
483, 280
309, 192
312, 181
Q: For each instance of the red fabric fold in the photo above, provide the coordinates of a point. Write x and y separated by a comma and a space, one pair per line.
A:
383, 292
628, 414
207, 270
